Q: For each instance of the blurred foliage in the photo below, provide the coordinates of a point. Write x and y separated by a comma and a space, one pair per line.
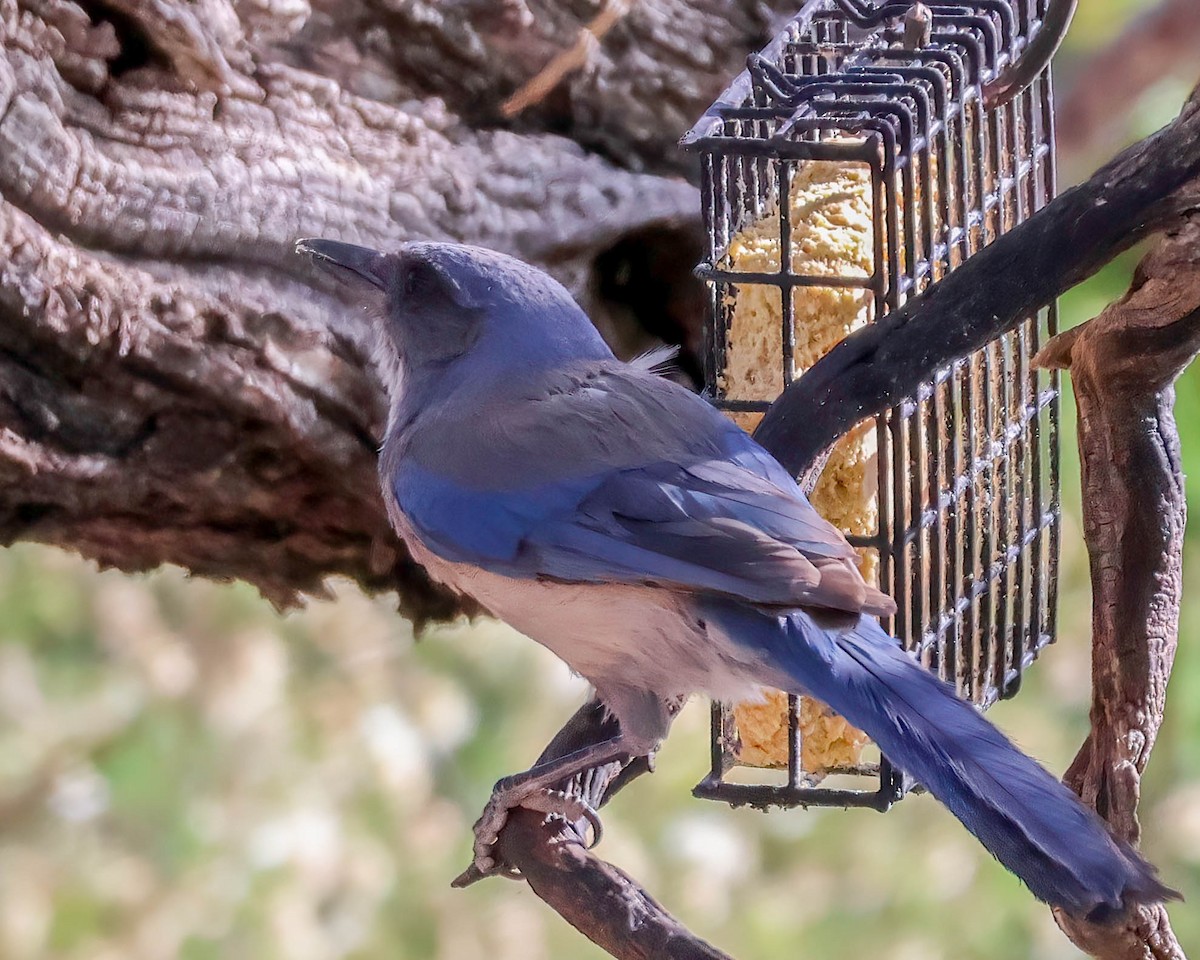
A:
1097, 23
184, 773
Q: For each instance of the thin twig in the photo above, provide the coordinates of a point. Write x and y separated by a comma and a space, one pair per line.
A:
575, 57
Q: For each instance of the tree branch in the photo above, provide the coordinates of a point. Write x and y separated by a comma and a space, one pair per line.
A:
1123, 368
602, 902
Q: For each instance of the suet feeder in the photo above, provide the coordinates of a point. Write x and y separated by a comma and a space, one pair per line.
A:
852, 165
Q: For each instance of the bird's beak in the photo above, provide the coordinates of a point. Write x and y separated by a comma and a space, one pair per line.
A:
363, 262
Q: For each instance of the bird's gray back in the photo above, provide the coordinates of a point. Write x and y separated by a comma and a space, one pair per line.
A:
591, 417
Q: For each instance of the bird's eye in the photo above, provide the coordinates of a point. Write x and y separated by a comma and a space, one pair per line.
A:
418, 278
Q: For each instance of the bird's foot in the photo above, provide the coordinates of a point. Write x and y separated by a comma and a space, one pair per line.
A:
539, 789
508, 794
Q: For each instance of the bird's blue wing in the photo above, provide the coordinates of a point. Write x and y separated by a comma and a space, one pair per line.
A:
719, 517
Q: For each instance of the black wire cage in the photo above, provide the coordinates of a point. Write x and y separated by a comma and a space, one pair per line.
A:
852, 165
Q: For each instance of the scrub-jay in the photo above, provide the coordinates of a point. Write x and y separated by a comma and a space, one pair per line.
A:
621, 521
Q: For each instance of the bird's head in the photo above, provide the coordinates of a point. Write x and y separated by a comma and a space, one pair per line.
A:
444, 312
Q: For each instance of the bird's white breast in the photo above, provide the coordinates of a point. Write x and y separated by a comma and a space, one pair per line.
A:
636, 636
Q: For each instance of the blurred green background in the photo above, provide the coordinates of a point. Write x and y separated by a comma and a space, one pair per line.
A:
185, 773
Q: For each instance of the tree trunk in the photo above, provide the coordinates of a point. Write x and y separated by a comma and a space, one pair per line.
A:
170, 387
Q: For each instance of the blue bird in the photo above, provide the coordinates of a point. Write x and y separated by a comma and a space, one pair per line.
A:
621, 521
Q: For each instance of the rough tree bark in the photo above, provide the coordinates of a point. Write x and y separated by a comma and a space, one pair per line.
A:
657, 68
170, 388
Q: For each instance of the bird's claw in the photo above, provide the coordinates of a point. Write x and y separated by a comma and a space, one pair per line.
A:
572, 809
506, 797
473, 875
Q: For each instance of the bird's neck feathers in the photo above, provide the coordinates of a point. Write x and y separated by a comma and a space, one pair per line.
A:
498, 364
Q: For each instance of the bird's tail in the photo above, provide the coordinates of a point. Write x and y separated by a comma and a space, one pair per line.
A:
1028, 820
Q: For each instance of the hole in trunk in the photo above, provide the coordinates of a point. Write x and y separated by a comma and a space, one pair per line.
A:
137, 50
643, 287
